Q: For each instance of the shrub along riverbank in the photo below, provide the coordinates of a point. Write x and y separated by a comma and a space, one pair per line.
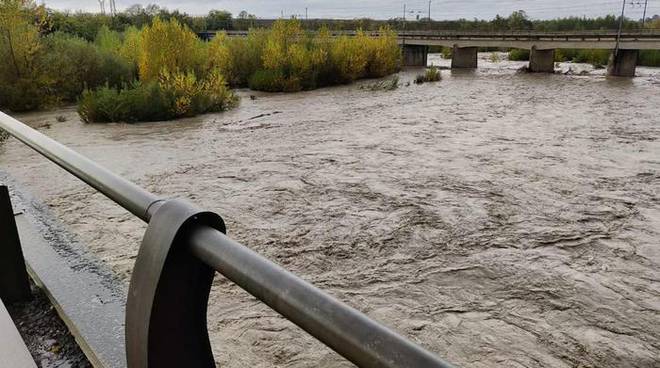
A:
164, 71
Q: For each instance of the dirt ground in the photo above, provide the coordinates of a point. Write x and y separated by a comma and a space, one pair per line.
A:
498, 219
45, 335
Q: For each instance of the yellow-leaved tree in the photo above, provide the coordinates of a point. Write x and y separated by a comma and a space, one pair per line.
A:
349, 56
384, 54
22, 84
131, 48
291, 58
19, 37
168, 46
219, 57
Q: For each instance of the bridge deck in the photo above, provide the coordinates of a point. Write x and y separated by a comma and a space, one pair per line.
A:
633, 40
647, 40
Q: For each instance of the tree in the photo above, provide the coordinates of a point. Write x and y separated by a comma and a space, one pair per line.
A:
654, 23
244, 21
167, 45
131, 47
518, 20
108, 40
19, 37
23, 85
218, 19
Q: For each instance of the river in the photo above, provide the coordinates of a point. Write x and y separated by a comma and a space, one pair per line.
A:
500, 219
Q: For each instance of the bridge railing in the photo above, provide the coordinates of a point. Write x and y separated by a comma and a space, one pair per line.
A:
182, 249
491, 34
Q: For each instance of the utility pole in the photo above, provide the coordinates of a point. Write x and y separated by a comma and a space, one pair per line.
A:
646, 3
306, 13
404, 24
429, 18
618, 34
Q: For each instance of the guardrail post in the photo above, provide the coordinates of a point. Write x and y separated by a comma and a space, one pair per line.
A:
14, 282
168, 294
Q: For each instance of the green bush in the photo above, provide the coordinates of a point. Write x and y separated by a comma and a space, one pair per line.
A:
139, 102
74, 65
24, 94
519, 55
267, 80
108, 40
596, 57
447, 52
173, 96
431, 74
649, 57
589, 56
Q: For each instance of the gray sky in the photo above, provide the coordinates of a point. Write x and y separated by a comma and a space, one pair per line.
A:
385, 9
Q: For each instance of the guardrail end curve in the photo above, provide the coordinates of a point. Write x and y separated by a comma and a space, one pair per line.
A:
168, 294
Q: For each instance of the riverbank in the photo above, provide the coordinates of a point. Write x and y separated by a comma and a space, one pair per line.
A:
162, 70
498, 218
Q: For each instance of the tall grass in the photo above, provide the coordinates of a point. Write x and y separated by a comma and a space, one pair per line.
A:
431, 74
519, 55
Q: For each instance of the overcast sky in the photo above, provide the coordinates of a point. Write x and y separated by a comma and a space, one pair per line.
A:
385, 9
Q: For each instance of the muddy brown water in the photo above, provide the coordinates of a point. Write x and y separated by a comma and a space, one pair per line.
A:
499, 219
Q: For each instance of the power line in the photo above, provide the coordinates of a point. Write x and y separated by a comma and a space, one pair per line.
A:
451, 9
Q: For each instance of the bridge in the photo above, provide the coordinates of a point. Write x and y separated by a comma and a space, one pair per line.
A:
415, 44
542, 45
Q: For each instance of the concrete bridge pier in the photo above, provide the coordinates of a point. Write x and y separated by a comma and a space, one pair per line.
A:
415, 55
623, 63
464, 57
541, 61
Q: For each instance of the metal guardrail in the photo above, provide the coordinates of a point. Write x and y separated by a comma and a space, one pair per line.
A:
182, 249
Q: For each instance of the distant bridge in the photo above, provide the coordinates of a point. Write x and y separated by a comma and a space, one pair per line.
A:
630, 40
542, 45
465, 45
